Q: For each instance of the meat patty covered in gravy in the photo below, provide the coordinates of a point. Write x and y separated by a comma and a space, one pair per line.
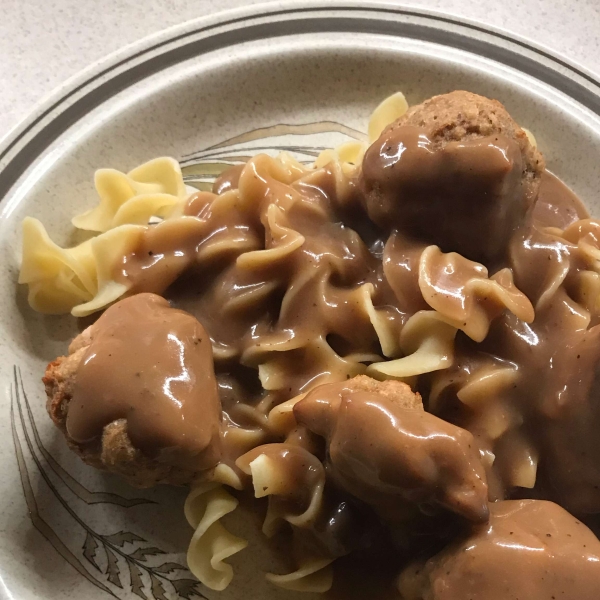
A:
456, 171
384, 449
530, 550
137, 394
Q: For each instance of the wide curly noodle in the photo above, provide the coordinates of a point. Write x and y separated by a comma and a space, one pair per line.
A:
388, 111
461, 291
154, 189
211, 543
427, 341
79, 280
485, 387
294, 481
313, 575
585, 267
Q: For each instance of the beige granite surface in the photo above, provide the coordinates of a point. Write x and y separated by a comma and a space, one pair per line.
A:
44, 42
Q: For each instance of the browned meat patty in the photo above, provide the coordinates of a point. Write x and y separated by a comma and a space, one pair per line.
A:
530, 549
397, 392
384, 449
456, 171
137, 395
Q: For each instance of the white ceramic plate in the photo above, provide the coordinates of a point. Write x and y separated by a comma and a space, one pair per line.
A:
298, 77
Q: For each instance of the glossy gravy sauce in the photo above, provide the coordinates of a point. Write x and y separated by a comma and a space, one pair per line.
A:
418, 458
467, 198
274, 266
170, 403
532, 550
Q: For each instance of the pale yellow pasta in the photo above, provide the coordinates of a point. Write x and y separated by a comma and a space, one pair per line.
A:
269, 479
270, 365
211, 543
283, 169
517, 458
79, 279
155, 188
345, 158
428, 344
226, 475
293, 166
235, 241
487, 382
494, 417
275, 372
275, 477
263, 479
292, 358
390, 344
348, 154
342, 171
281, 418
581, 240
272, 375
481, 388
351, 152
585, 234
245, 438
247, 298
269, 355
587, 291
313, 576
390, 110
554, 283
530, 137
480, 299
284, 241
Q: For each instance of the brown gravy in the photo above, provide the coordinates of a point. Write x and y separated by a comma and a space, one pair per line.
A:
275, 271
389, 455
530, 550
557, 205
467, 197
304, 301
170, 400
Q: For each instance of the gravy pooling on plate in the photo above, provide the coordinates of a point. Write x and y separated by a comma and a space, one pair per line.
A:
399, 348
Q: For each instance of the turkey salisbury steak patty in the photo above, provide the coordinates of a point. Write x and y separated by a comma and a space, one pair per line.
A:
137, 394
529, 550
456, 171
386, 450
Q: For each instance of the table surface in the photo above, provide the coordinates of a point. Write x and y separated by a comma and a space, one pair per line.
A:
44, 42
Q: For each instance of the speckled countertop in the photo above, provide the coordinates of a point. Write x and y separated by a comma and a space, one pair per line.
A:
44, 42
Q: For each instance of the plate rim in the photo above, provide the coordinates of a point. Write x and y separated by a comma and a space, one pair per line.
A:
57, 100
60, 94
